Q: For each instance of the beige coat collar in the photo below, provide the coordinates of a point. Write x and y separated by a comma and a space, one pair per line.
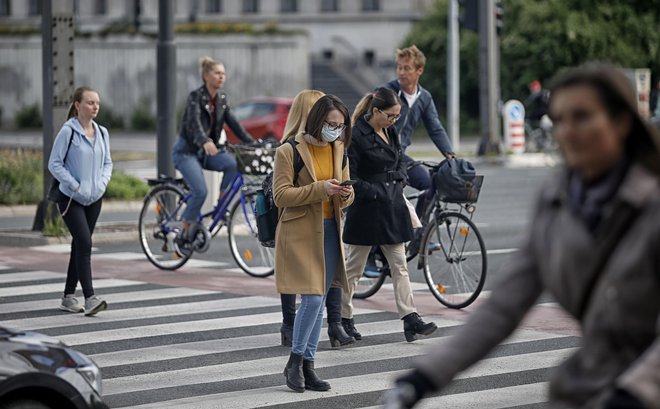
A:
306, 156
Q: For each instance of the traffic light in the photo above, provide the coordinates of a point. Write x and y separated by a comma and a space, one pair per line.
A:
499, 17
469, 18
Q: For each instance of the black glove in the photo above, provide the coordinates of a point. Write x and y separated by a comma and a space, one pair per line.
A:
407, 391
622, 399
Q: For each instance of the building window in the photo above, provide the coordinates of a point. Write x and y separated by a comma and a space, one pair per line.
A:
370, 5
100, 7
213, 6
329, 5
5, 7
289, 6
34, 8
250, 6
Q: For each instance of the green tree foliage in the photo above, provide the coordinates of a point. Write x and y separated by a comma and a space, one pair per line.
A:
540, 37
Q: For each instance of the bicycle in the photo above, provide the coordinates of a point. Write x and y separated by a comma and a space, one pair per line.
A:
454, 259
160, 221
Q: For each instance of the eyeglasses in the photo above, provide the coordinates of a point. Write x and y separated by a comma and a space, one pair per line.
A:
334, 127
390, 117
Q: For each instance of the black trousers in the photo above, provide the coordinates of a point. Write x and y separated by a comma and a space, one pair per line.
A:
80, 220
332, 304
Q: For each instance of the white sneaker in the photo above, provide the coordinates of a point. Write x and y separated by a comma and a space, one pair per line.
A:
94, 305
71, 304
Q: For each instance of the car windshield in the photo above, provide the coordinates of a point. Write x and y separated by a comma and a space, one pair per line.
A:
248, 110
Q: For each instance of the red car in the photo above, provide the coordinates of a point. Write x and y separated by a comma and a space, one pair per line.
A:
262, 117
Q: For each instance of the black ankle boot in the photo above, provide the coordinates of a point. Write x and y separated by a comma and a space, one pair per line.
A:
312, 381
294, 374
286, 334
338, 336
349, 327
413, 325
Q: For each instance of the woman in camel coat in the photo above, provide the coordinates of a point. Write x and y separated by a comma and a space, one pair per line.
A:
309, 256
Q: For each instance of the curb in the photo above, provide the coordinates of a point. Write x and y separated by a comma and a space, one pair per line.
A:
108, 205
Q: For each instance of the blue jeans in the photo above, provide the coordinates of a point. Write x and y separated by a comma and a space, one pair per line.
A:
190, 165
309, 319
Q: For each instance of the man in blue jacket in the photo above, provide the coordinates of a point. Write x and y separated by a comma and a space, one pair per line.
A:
417, 104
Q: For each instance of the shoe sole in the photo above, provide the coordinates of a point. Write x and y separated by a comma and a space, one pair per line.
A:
318, 389
67, 309
101, 307
292, 386
412, 336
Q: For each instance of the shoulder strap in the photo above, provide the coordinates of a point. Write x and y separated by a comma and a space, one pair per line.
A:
68, 146
626, 215
298, 164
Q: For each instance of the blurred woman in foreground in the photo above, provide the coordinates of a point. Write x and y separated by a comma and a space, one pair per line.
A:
593, 245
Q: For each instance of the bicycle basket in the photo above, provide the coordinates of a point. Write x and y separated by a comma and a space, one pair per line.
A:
255, 159
455, 181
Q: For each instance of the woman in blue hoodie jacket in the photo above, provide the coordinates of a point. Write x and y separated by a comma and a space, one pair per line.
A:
80, 160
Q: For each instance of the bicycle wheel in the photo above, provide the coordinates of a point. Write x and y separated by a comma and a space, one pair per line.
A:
371, 280
159, 224
253, 258
454, 259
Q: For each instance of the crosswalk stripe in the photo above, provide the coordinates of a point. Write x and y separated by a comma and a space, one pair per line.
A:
192, 349
325, 359
47, 288
274, 395
174, 328
146, 312
12, 278
163, 293
529, 394
187, 348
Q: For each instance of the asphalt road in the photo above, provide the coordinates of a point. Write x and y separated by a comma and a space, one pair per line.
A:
502, 216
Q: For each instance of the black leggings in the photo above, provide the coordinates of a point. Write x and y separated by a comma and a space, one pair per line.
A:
80, 221
332, 304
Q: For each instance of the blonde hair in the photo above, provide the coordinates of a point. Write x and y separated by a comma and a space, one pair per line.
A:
415, 54
206, 64
302, 104
77, 97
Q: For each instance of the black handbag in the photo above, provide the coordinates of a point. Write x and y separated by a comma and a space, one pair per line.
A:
54, 191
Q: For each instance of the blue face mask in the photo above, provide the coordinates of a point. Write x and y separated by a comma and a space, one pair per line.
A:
330, 135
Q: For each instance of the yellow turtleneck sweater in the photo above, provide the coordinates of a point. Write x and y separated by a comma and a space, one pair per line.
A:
324, 170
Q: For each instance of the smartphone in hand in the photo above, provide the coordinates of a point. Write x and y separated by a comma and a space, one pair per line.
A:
348, 182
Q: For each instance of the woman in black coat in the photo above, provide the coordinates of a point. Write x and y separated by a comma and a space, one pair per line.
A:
379, 215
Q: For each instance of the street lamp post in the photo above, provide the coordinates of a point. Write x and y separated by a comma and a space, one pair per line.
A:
57, 33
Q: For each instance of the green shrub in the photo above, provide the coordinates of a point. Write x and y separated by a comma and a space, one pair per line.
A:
126, 187
142, 120
21, 178
29, 117
109, 119
54, 225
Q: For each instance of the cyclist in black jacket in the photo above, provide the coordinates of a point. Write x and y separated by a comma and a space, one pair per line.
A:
198, 146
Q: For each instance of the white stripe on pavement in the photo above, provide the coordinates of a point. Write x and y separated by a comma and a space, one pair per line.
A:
355, 384
57, 248
146, 295
128, 314
191, 349
174, 328
50, 288
324, 359
29, 276
500, 398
